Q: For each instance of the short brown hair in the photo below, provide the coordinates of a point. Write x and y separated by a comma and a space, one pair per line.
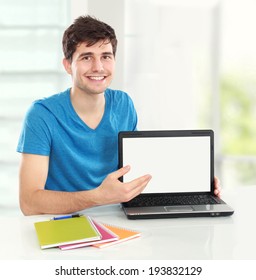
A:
87, 29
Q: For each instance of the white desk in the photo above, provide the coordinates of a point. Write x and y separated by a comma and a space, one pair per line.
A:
178, 239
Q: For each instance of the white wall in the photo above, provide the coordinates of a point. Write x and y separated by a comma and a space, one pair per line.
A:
170, 80
164, 58
112, 12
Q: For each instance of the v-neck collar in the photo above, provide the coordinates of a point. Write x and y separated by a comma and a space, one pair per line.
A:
84, 123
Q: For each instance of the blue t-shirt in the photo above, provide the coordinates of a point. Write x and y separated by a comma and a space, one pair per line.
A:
79, 157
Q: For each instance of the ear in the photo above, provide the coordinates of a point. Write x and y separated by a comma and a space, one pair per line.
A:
67, 65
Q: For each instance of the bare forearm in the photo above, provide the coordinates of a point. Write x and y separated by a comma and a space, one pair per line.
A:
34, 201
54, 202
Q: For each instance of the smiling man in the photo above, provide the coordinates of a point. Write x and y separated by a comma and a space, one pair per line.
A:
68, 142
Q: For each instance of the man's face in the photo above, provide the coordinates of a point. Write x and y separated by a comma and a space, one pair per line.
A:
91, 68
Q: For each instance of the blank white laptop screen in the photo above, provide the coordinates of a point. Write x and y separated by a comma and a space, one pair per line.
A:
177, 164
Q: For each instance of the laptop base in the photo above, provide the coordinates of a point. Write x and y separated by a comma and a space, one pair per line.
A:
158, 212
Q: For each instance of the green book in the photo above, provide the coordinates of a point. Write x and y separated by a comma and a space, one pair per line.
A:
54, 233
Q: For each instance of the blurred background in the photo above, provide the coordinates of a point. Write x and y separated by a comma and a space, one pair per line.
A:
187, 64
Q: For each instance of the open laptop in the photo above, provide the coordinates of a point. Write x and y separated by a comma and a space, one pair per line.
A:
181, 163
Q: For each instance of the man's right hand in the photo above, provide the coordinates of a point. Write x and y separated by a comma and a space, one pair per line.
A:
113, 191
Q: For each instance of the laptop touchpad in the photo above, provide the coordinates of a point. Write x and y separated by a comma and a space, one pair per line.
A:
178, 208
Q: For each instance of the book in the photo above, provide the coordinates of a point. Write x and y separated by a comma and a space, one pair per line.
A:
106, 236
123, 233
54, 233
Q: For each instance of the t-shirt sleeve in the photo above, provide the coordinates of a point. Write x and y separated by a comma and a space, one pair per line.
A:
134, 116
35, 137
128, 112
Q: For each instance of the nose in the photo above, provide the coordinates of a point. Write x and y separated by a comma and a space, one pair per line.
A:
97, 65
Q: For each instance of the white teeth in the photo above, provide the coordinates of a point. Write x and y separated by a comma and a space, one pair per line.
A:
96, 78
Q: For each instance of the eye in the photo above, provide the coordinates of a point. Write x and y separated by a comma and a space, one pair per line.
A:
107, 57
86, 58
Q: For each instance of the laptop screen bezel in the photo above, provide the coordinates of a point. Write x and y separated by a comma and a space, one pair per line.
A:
169, 133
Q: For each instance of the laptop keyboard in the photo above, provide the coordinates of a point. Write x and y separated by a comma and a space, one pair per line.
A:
146, 201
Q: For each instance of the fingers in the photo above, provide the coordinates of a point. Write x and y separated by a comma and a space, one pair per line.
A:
136, 186
217, 193
128, 190
120, 172
140, 182
217, 187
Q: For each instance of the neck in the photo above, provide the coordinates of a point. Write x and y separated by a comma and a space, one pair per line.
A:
89, 107
87, 103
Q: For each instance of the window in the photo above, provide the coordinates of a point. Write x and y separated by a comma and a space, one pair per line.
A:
237, 93
30, 68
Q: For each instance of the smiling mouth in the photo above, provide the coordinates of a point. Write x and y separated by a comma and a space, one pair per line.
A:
96, 78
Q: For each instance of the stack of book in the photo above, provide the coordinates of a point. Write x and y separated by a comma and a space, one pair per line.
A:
75, 231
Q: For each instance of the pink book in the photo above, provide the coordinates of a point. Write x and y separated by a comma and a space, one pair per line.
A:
123, 233
106, 236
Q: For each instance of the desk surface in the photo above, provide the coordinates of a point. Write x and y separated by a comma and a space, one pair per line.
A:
179, 239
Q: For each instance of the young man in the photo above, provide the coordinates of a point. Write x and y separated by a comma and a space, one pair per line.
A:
69, 140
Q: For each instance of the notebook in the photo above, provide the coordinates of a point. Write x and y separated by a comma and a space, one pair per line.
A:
181, 163
106, 236
124, 234
54, 233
